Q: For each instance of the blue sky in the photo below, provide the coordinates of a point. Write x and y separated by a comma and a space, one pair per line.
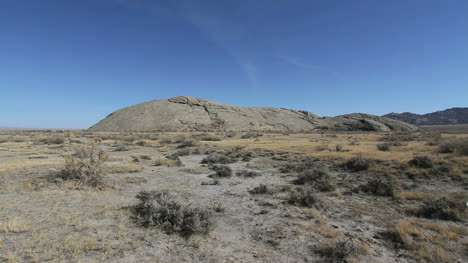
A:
67, 64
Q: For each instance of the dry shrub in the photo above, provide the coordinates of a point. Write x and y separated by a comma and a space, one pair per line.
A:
444, 209
304, 196
124, 167
379, 187
260, 189
422, 162
318, 177
299, 166
171, 161
164, 210
426, 240
221, 171
358, 163
84, 166
249, 174
340, 249
218, 158
457, 146
385, 147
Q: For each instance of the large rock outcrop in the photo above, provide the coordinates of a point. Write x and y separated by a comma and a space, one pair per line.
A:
186, 113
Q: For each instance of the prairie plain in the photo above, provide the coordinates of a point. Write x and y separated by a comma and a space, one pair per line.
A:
81, 196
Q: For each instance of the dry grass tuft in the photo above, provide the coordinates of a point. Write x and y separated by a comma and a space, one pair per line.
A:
14, 225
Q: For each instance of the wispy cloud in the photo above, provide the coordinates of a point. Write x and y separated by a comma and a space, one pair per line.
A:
227, 35
306, 66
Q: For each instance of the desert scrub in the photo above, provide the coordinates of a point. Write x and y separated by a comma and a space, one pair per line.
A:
384, 147
378, 187
222, 171
52, 140
249, 174
358, 163
120, 148
165, 211
399, 137
318, 177
218, 158
457, 146
304, 196
340, 249
260, 189
187, 143
444, 209
84, 166
422, 162
251, 135
299, 166
171, 161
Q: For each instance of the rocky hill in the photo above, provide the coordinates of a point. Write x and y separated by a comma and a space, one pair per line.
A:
186, 113
444, 117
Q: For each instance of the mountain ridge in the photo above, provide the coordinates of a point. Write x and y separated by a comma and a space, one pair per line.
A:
456, 115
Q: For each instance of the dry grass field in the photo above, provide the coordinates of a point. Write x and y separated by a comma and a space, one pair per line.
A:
78, 196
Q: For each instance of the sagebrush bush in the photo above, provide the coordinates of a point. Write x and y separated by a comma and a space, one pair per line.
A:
304, 196
299, 166
164, 210
457, 146
218, 158
251, 135
446, 147
318, 177
383, 147
187, 143
444, 209
120, 148
53, 140
339, 147
221, 171
246, 173
422, 162
379, 187
339, 250
84, 166
404, 137
260, 189
358, 163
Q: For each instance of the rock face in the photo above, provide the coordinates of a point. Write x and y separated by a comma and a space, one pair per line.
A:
443, 117
185, 113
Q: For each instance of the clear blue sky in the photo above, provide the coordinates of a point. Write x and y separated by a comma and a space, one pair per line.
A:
67, 64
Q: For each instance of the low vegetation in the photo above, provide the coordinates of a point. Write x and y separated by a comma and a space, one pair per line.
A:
444, 209
318, 178
84, 166
358, 163
165, 211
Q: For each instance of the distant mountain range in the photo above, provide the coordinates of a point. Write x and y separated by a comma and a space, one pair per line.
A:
443, 117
